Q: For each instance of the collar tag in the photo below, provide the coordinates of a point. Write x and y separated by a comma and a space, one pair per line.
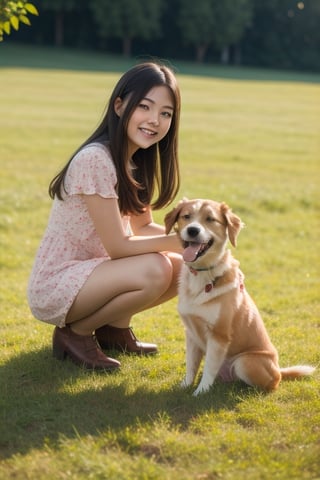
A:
193, 271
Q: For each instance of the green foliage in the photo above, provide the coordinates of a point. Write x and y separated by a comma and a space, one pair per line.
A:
231, 21
127, 19
208, 22
196, 20
12, 13
285, 32
211, 22
250, 140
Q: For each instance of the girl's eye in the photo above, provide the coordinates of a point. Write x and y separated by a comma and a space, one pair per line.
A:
144, 106
167, 114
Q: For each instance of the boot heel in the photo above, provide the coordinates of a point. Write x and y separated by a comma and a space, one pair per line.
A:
82, 350
58, 353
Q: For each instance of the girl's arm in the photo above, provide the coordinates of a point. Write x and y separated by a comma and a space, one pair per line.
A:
144, 225
107, 221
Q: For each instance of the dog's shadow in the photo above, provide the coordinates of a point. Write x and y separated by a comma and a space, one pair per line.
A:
45, 404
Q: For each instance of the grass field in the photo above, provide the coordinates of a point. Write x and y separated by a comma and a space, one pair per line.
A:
250, 140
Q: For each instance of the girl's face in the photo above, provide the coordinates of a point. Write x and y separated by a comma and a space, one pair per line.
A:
151, 119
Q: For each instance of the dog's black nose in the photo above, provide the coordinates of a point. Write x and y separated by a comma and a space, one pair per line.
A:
193, 231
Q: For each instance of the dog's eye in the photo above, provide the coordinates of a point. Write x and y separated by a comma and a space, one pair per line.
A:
210, 219
186, 216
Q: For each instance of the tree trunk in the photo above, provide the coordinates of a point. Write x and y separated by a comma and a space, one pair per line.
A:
59, 29
126, 46
237, 54
201, 50
225, 55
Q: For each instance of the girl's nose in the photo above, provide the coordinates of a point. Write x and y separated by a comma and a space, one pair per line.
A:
154, 120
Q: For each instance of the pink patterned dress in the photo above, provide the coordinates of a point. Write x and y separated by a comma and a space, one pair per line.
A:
70, 248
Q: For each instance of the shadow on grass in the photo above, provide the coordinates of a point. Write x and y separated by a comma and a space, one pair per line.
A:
40, 402
40, 57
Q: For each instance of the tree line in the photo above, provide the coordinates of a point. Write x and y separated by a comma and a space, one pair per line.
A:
267, 33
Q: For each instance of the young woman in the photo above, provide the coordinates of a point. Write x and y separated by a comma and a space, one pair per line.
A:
102, 258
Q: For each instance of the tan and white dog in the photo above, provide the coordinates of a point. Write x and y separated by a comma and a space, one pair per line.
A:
221, 320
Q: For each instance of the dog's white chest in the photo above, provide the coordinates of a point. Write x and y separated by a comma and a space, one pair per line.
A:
208, 312
199, 296
195, 299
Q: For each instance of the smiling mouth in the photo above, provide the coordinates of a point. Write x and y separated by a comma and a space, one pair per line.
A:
193, 250
150, 133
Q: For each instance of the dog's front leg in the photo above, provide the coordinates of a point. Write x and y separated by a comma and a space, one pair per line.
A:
215, 355
194, 356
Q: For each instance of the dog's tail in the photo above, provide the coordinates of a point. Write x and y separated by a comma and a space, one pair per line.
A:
290, 373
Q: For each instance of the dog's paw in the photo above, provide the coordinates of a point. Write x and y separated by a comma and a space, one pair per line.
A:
197, 392
184, 383
201, 389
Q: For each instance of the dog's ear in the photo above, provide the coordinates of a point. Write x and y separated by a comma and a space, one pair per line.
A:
234, 223
171, 217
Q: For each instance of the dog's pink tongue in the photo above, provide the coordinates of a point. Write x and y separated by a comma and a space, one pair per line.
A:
190, 253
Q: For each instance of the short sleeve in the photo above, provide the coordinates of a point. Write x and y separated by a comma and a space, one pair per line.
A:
92, 171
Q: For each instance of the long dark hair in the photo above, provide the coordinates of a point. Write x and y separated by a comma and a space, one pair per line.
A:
157, 167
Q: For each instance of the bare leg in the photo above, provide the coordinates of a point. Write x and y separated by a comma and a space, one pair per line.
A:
118, 289
176, 262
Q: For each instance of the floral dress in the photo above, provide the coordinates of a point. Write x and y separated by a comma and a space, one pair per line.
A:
70, 248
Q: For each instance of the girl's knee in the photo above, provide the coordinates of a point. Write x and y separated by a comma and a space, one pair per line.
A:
161, 279
160, 270
157, 275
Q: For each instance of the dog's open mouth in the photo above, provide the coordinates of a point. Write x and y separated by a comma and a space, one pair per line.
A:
193, 250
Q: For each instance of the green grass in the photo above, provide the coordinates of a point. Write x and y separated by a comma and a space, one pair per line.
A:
253, 144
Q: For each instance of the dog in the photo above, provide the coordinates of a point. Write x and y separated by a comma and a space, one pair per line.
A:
222, 322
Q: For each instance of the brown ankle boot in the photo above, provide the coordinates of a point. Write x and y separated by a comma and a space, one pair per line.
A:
82, 350
124, 340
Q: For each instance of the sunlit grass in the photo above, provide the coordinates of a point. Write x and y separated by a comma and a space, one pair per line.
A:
252, 144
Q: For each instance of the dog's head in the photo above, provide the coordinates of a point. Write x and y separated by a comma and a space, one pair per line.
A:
204, 226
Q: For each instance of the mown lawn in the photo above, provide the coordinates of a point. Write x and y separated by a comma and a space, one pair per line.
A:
252, 141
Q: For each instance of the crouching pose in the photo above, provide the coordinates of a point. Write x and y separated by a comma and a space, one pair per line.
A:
102, 258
